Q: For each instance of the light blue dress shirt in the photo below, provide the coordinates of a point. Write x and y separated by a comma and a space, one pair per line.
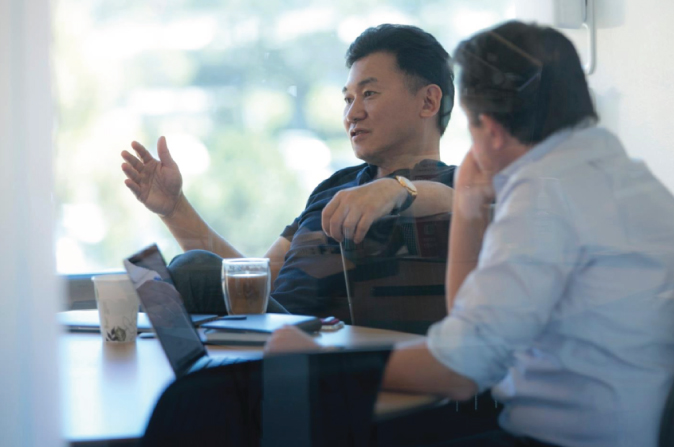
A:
570, 311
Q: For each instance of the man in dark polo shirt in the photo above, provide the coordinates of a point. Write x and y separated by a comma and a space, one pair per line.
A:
398, 99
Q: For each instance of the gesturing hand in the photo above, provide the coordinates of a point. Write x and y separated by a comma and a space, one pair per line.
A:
352, 211
157, 184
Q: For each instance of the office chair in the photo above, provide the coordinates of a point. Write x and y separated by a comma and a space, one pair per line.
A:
395, 280
395, 277
214, 406
321, 399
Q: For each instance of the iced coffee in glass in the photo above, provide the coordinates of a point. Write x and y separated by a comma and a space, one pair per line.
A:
246, 283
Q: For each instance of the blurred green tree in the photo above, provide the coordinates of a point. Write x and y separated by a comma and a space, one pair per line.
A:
233, 87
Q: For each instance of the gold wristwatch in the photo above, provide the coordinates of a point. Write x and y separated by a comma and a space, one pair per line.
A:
411, 192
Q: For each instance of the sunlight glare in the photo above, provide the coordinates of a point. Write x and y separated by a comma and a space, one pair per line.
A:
468, 21
305, 21
189, 152
84, 222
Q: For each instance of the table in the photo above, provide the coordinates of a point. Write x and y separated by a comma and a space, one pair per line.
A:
109, 390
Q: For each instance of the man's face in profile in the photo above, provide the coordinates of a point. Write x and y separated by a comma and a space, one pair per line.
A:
381, 114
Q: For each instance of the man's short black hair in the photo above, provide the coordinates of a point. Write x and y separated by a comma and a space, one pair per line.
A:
527, 77
419, 56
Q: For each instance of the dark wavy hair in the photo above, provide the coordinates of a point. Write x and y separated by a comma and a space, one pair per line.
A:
527, 77
419, 56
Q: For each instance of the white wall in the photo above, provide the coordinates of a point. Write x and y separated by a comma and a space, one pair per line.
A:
634, 79
29, 294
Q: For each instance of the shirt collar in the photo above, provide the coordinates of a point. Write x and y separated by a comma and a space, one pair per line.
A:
535, 153
366, 175
425, 168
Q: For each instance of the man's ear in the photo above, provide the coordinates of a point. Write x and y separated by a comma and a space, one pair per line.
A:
432, 96
497, 134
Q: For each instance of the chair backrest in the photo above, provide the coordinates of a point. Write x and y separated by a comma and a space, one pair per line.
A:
667, 422
395, 277
304, 400
323, 399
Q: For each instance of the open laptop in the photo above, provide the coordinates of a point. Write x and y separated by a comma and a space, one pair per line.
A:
165, 309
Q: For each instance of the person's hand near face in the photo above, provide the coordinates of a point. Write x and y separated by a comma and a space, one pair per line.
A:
473, 186
473, 196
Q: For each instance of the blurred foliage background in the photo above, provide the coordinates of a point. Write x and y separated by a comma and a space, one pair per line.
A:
247, 93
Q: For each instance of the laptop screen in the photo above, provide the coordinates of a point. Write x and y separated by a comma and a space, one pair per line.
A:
165, 309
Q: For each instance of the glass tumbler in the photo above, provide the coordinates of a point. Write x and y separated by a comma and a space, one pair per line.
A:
246, 283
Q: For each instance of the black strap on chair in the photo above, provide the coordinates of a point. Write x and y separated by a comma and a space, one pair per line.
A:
324, 399
667, 422
318, 399
214, 406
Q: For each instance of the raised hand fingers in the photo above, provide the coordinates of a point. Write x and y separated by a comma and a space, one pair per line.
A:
163, 152
133, 186
133, 161
143, 153
131, 172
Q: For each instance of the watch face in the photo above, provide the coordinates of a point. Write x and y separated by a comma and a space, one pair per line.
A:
407, 184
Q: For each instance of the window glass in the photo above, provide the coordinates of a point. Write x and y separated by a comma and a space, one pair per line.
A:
248, 94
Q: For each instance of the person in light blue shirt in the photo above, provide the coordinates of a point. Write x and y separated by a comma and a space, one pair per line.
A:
561, 295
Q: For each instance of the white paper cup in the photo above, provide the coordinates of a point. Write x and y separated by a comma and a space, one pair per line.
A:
117, 307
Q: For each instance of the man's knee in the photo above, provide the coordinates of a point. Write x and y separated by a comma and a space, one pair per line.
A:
195, 260
196, 275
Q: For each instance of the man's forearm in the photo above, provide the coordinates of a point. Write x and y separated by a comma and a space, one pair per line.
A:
276, 255
413, 368
432, 198
193, 233
470, 218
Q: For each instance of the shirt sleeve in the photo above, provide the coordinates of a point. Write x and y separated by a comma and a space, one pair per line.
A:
435, 171
528, 253
290, 230
446, 176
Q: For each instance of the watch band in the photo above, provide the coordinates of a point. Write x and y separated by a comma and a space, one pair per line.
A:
411, 193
